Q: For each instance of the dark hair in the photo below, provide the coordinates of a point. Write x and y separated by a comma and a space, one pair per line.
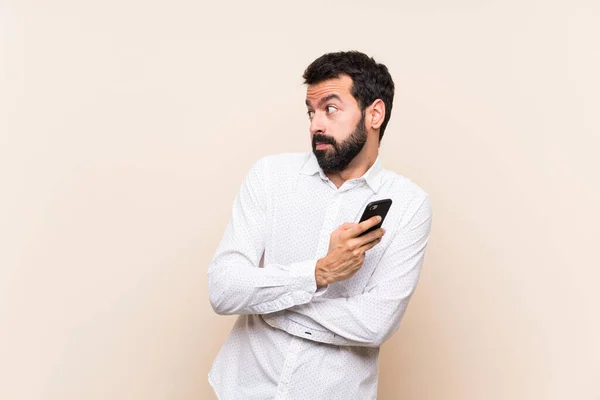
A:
370, 80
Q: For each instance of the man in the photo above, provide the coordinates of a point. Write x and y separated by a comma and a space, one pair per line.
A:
316, 300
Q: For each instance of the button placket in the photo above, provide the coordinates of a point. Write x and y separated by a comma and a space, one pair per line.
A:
288, 367
328, 226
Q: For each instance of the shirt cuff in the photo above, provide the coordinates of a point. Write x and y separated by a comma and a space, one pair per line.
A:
305, 272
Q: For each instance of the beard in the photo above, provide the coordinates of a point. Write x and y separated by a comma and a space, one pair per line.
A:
337, 157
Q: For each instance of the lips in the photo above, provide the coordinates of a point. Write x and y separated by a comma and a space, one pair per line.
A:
321, 145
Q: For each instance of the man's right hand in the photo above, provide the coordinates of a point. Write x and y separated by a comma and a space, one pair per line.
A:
346, 253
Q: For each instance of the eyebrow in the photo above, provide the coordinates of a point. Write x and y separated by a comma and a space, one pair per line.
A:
325, 99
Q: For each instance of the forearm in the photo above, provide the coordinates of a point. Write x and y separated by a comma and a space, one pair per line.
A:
364, 320
236, 287
237, 283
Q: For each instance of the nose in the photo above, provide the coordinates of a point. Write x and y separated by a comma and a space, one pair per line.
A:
317, 123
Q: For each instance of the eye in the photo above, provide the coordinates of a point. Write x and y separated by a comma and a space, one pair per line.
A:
330, 109
310, 114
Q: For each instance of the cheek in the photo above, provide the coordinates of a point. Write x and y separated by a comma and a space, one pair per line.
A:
342, 127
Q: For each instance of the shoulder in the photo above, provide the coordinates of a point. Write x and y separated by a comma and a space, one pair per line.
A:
285, 160
403, 186
281, 165
411, 198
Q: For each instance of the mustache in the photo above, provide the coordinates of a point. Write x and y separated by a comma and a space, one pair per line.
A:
318, 137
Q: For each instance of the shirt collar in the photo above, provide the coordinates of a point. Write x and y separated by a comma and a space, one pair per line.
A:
373, 176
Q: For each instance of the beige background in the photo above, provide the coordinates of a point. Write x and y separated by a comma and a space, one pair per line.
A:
126, 128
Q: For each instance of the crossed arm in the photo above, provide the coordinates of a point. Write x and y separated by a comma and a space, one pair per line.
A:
238, 286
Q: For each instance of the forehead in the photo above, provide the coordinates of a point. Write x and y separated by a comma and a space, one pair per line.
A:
340, 86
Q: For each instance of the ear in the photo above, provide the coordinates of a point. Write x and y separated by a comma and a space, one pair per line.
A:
376, 114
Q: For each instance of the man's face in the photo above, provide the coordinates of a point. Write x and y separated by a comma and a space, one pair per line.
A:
337, 125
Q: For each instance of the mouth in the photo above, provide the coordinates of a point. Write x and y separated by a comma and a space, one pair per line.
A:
322, 146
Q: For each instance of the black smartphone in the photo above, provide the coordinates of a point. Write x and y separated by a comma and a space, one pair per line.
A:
379, 207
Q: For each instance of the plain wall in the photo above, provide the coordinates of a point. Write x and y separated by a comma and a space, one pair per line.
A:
126, 128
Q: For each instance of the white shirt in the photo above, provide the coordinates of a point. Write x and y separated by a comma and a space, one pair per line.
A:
290, 340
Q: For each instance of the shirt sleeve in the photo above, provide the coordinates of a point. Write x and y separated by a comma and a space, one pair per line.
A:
372, 317
237, 283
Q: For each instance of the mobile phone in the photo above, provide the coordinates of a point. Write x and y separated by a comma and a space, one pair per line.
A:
378, 207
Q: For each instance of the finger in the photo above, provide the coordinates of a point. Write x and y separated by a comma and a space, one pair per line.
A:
363, 226
369, 237
370, 245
